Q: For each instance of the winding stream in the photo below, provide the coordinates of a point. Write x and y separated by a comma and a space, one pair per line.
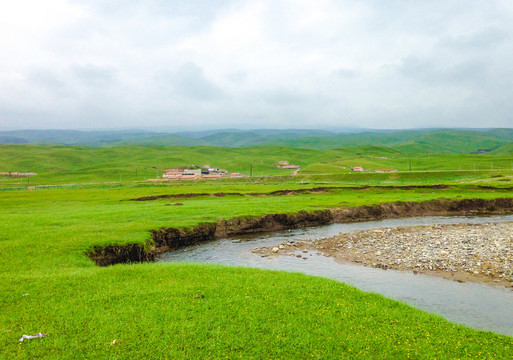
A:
475, 305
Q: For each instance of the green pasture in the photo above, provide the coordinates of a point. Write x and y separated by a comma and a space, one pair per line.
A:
420, 141
186, 311
132, 164
425, 162
70, 165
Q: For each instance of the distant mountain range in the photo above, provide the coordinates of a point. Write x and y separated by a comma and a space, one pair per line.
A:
457, 141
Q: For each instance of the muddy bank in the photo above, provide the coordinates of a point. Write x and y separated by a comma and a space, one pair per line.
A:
441, 207
121, 254
286, 192
316, 190
462, 252
166, 239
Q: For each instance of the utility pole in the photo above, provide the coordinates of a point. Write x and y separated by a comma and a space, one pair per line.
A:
250, 170
409, 165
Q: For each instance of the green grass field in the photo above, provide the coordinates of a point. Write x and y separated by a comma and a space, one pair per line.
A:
78, 165
151, 310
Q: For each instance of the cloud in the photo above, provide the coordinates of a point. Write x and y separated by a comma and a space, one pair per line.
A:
479, 40
284, 96
473, 72
275, 63
49, 80
189, 81
96, 76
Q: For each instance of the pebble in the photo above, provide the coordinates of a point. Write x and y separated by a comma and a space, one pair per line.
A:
477, 249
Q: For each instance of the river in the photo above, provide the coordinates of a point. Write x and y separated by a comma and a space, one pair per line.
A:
475, 305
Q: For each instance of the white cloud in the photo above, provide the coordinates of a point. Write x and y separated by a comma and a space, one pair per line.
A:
281, 63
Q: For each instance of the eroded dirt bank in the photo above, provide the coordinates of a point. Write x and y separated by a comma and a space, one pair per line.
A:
286, 192
463, 252
121, 254
316, 190
166, 239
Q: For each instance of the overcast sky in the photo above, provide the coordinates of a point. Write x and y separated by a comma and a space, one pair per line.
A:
201, 64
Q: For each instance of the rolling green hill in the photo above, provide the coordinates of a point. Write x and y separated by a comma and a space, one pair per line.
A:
160, 140
423, 141
504, 149
74, 164
258, 137
228, 137
12, 140
411, 142
74, 137
501, 133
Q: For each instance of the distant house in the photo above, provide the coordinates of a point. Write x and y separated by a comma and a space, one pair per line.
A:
17, 174
188, 177
357, 168
173, 173
211, 176
193, 172
237, 175
179, 173
286, 165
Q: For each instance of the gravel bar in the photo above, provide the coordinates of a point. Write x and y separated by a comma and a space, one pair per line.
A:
462, 252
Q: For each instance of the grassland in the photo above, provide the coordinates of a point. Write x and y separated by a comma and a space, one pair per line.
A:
48, 284
78, 165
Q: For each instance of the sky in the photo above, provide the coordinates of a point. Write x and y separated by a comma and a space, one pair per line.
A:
200, 64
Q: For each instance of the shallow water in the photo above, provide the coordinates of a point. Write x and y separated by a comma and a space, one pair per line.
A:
475, 305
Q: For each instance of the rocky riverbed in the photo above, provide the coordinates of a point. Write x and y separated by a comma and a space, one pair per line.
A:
462, 252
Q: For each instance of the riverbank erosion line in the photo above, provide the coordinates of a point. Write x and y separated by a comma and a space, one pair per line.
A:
167, 239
